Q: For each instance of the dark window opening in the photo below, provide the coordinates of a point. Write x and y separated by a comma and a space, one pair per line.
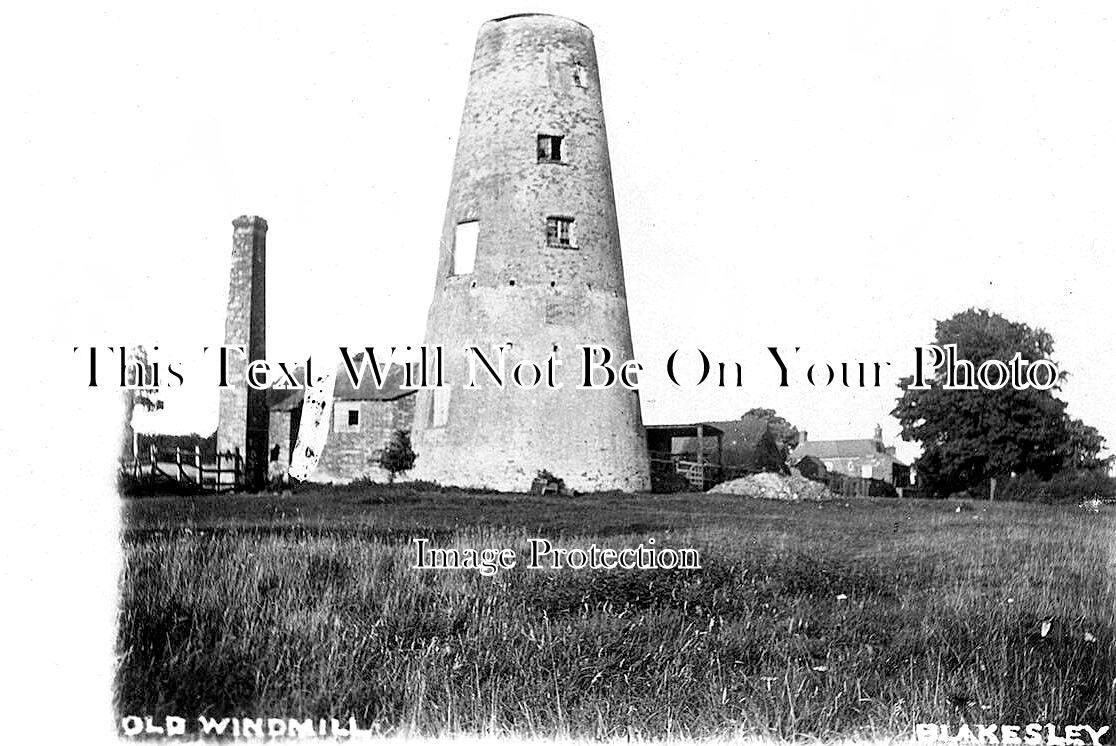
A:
578, 74
354, 417
559, 232
550, 149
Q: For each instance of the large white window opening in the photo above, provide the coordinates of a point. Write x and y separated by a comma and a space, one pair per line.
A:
465, 247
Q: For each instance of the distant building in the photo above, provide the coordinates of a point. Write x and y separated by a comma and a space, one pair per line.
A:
867, 458
811, 467
746, 445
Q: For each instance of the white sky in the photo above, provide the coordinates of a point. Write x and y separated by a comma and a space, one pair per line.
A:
830, 176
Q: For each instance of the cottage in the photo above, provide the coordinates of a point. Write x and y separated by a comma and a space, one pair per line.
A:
866, 458
362, 421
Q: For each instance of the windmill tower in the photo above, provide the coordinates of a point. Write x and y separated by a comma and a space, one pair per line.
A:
530, 255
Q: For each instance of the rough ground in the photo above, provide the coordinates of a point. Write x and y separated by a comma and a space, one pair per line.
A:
775, 487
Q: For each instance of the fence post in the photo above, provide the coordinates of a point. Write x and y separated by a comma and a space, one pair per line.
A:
217, 479
178, 463
154, 459
236, 467
197, 462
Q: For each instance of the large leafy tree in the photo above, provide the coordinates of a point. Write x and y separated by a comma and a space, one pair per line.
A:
971, 436
783, 433
780, 437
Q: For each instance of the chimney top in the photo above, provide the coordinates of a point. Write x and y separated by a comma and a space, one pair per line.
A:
248, 222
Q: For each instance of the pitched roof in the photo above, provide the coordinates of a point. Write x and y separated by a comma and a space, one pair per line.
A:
840, 449
392, 387
284, 400
343, 389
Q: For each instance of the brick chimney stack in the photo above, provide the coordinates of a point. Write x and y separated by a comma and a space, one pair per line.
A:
242, 417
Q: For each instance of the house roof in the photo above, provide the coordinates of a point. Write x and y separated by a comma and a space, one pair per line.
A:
392, 388
852, 448
343, 389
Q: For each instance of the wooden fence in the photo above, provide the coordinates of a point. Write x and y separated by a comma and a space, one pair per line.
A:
700, 474
218, 471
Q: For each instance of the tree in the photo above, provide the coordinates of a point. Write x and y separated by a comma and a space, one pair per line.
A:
1082, 451
971, 436
398, 456
780, 434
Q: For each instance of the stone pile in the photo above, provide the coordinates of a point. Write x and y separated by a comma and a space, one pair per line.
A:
775, 487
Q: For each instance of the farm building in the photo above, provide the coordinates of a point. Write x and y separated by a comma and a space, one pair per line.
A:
867, 458
707, 452
745, 445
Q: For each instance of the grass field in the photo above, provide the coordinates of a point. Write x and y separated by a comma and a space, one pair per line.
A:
835, 619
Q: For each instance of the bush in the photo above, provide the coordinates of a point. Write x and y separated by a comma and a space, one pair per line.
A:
547, 478
1068, 486
398, 457
667, 482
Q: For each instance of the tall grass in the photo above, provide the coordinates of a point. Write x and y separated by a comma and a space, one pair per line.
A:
805, 620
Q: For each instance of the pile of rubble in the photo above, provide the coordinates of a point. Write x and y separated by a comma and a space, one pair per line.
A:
775, 487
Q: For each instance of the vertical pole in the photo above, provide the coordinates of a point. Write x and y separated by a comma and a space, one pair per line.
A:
178, 463
992, 490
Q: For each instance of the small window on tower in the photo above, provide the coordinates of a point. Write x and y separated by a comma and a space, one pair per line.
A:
439, 411
550, 148
560, 232
578, 75
465, 247
354, 418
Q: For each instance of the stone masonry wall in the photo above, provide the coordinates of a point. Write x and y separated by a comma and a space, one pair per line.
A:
353, 453
242, 422
532, 75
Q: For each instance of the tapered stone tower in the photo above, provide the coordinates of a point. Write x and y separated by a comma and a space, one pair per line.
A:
530, 255
242, 417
